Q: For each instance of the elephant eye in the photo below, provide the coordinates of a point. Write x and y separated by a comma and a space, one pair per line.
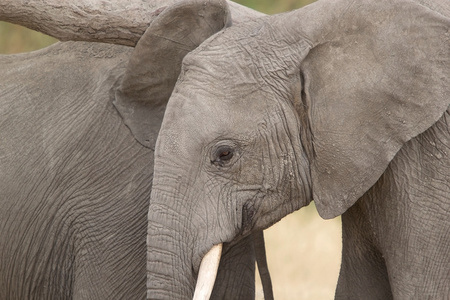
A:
226, 155
222, 155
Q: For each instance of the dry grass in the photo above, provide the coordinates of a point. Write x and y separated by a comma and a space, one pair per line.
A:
303, 253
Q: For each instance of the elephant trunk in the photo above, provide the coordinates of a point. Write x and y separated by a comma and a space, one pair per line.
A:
173, 256
169, 274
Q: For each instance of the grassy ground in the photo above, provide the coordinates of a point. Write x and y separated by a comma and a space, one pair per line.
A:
303, 253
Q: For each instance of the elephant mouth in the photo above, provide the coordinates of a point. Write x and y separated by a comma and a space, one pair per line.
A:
209, 264
207, 273
248, 213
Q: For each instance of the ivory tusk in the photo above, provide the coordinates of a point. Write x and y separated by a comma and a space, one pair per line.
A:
207, 273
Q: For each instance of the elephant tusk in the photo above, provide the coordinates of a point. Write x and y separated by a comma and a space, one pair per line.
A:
207, 273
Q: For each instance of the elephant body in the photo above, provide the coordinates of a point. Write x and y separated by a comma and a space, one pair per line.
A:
76, 169
75, 184
396, 237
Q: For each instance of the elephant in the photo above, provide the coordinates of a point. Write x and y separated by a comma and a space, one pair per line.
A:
76, 170
344, 103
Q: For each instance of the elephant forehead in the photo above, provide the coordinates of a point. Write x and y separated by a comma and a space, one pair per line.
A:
208, 114
195, 118
229, 60
222, 74
244, 55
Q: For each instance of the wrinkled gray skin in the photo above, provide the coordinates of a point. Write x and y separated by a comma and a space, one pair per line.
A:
74, 184
342, 102
74, 181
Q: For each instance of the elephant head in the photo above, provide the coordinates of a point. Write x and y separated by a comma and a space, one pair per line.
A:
269, 115
141, 94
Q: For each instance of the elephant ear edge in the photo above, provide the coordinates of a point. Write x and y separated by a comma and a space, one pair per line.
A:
369, 92
153, 68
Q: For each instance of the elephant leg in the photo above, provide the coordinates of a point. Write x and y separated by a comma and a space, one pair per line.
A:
409, 215
363, 273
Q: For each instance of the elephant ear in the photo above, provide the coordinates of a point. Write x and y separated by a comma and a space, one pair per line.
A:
155, 63
376, 75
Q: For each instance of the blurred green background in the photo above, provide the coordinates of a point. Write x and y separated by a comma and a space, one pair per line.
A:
16, 39
273, 6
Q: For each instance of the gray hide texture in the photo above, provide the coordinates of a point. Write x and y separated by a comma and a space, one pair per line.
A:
338, 101
74, 181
